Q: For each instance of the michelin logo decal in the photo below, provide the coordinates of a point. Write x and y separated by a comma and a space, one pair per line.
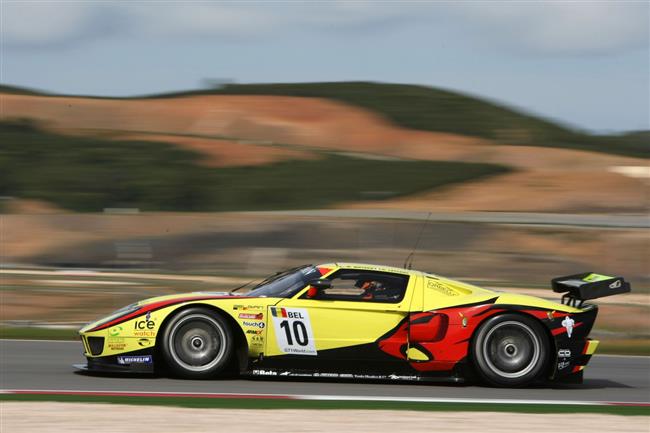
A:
568, 323
140, 359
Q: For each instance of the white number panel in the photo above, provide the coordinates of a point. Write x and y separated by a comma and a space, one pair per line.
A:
293, 331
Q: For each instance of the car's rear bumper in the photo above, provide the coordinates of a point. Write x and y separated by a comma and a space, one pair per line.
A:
573, 348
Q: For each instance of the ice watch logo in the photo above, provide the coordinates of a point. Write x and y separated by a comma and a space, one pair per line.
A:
147, 323
144, 324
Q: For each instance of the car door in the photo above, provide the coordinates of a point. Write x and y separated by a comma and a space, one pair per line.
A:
341, 327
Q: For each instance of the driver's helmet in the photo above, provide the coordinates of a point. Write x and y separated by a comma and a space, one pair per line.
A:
370, 288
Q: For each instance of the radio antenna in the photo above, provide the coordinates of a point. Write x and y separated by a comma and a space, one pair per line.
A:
409, 259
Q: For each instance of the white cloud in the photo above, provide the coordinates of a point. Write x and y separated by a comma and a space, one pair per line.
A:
571, 27
51, 22
44, 23
200, 19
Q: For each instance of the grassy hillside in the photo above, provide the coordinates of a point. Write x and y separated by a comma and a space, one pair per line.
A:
432, 109
90, 174
15, 90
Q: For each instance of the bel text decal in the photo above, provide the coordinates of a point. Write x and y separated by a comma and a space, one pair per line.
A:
293, 331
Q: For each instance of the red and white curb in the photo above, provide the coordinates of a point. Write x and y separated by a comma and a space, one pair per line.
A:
314, 397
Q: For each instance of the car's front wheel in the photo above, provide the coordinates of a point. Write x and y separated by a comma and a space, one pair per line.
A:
197, 343
510, 350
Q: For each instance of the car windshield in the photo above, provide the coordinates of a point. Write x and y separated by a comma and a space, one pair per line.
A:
285, 284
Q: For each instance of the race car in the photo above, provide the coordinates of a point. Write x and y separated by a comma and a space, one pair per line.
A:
358, 321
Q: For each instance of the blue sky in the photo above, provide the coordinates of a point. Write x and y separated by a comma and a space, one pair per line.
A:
583, 63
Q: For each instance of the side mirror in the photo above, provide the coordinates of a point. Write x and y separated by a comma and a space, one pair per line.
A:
321, 284
316, 285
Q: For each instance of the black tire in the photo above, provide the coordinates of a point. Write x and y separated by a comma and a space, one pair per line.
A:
510, 350
197, 344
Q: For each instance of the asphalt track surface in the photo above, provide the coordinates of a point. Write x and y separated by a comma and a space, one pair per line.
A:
517, 218
47, 365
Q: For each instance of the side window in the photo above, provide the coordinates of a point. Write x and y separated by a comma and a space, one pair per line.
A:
365, 286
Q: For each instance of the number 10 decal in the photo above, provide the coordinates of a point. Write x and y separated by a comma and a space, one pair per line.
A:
293, 331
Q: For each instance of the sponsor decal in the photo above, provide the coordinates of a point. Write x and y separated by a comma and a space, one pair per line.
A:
147, 323
144, 342
369, 376
397, 377
290, 313
260, 325
136, 359
615, 285
145, 328
562, 365
265, 372
144, 324
326, 375
293, 332
568, 323
278, 312
251, 316
144, 334
594, 277
116, 343
257, 340
254, 331
333, 375
115, 331
564, 353
439, 287
247, 307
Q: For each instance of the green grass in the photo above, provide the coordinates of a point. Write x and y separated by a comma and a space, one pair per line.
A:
89, 174
434, 109
226, 403
37, 333
629, 346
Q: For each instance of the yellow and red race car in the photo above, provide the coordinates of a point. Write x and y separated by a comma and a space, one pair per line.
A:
345, 320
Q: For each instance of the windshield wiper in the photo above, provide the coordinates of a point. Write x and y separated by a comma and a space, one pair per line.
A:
264, 281
242, 286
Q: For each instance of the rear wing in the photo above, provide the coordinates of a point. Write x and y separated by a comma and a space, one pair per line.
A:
582, 287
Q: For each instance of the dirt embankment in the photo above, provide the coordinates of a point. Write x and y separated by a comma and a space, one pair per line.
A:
239, 130
226, 153
69, 417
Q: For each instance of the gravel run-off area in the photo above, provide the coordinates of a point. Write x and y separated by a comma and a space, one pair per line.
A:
23, 417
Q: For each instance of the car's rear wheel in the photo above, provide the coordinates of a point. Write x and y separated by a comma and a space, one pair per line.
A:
197, 343
510, 350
